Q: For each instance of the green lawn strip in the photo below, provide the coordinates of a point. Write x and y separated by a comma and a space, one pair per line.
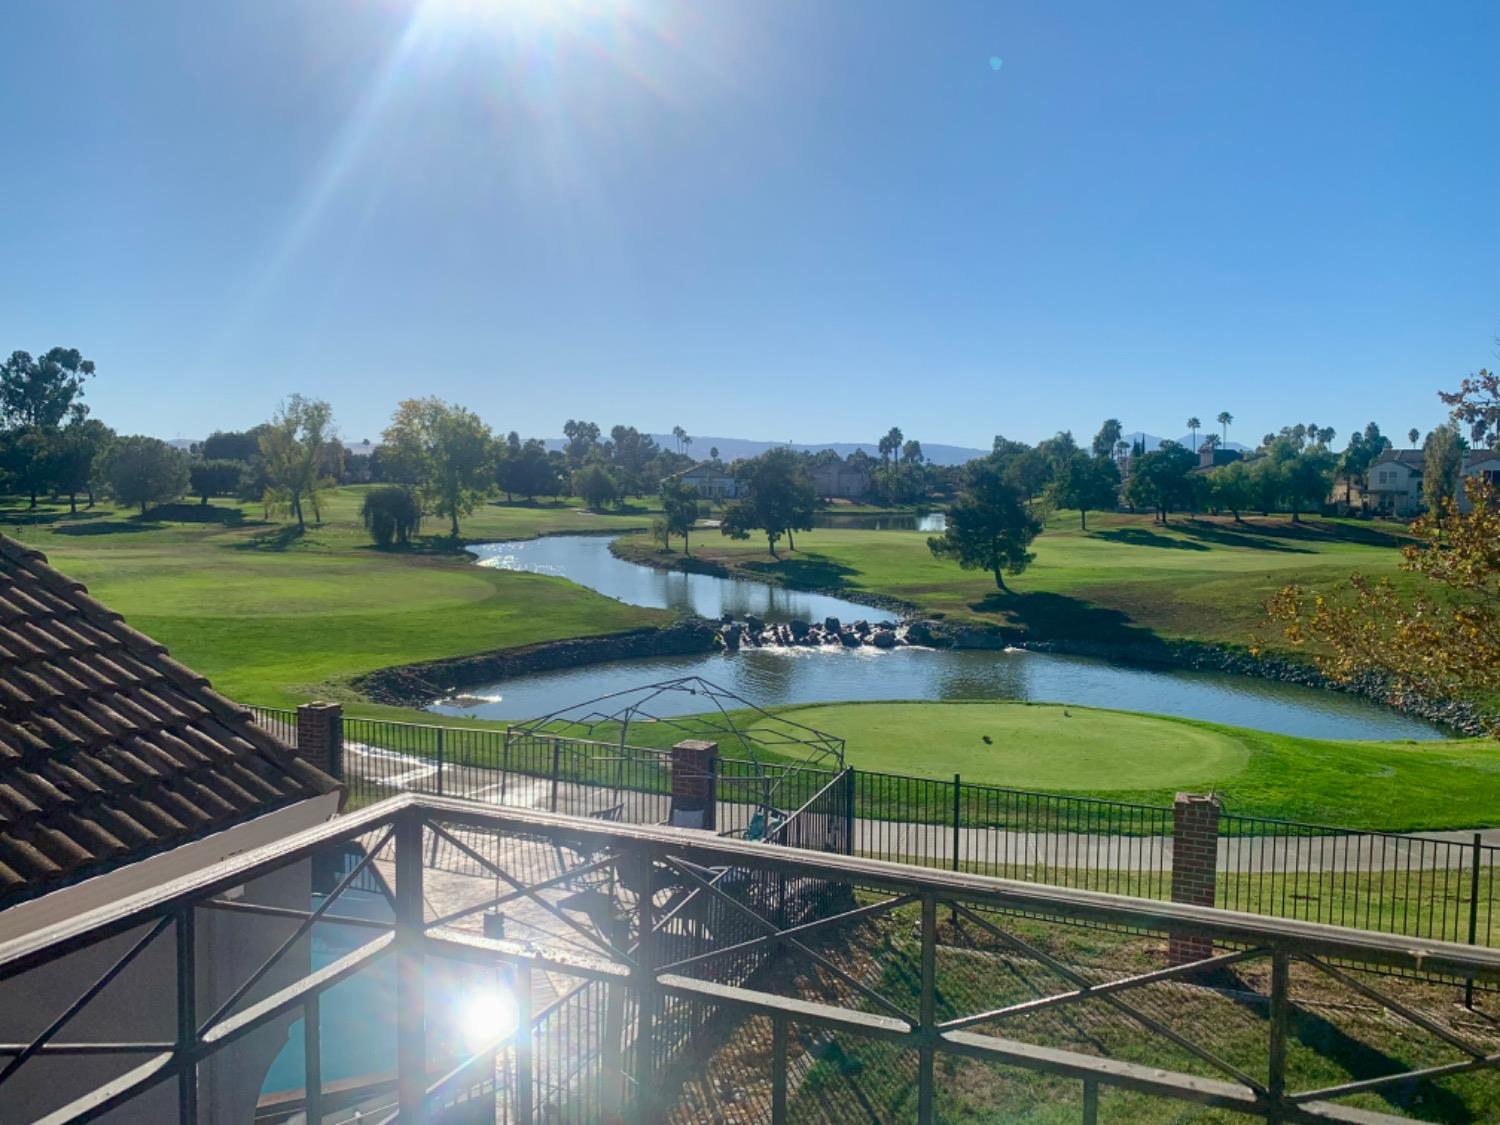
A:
275, 617
1335, 1035
1124, 580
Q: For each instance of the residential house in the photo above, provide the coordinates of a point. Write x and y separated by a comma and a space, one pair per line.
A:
1395, 483
1395, 480
712, 481
121, 771
1483, 465
841, 480
1211, 456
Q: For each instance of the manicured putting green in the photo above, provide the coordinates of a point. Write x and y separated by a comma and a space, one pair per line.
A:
1032, 746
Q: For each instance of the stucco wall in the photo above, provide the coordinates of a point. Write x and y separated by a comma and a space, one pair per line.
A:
141, 1004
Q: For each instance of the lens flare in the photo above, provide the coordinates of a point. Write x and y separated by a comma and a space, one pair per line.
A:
486, 1015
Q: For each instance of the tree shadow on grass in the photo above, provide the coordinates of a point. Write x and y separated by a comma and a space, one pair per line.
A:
273, 539
1281, 534
1141, 537
1360, 1059
109, 527
1049, 616
21, 516
199, 513
1246, 536
422, 546
810, 572
532, 505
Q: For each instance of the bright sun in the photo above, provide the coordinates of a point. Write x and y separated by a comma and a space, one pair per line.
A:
485, 1015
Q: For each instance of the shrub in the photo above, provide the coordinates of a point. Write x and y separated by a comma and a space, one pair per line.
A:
392, 515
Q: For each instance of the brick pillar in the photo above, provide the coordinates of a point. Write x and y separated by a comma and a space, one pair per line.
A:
1195, 853
320, 736
695, 789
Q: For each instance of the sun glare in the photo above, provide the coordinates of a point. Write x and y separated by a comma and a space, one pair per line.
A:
486, 1015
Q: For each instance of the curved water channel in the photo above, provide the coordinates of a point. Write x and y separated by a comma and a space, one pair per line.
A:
772, 676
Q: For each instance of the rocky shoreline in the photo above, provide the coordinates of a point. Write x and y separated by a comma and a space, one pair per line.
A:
417, 685
1456, 715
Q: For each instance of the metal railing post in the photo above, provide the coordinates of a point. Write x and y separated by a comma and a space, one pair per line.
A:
645, 995
851, 825
1473, 914
556, 750
525, 1059
1280, 1026
778, 1070
187, 1017
1090, 1102
926, 1053
312, 1059
411, 1022
957, 814
440, 761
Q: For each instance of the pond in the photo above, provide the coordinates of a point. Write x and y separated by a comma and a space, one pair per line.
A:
586, 559
933, 523
774, 676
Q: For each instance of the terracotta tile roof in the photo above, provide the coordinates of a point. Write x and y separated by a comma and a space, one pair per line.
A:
1417, 459
110, 750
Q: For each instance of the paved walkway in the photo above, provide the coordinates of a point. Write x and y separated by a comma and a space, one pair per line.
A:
987, 850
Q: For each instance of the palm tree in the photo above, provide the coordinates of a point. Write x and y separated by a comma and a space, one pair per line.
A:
679, 433
890, 445
1193, 425
1224, 419
1413, 434
1211, 441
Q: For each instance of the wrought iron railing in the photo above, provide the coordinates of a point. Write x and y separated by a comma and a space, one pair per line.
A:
909, 992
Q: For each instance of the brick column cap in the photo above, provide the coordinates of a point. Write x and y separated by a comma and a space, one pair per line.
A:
696, 746
1197, 799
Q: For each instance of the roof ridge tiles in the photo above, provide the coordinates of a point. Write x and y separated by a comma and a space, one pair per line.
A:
122, 751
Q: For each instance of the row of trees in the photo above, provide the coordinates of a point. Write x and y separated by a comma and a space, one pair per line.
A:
1437, 634
50, 445
48, 442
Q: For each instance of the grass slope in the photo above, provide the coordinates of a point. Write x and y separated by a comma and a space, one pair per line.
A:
275, 617
1124, 580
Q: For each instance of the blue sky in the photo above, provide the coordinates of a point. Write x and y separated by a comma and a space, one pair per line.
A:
777, 220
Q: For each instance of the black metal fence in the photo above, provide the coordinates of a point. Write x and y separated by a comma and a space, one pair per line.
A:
1420, 886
